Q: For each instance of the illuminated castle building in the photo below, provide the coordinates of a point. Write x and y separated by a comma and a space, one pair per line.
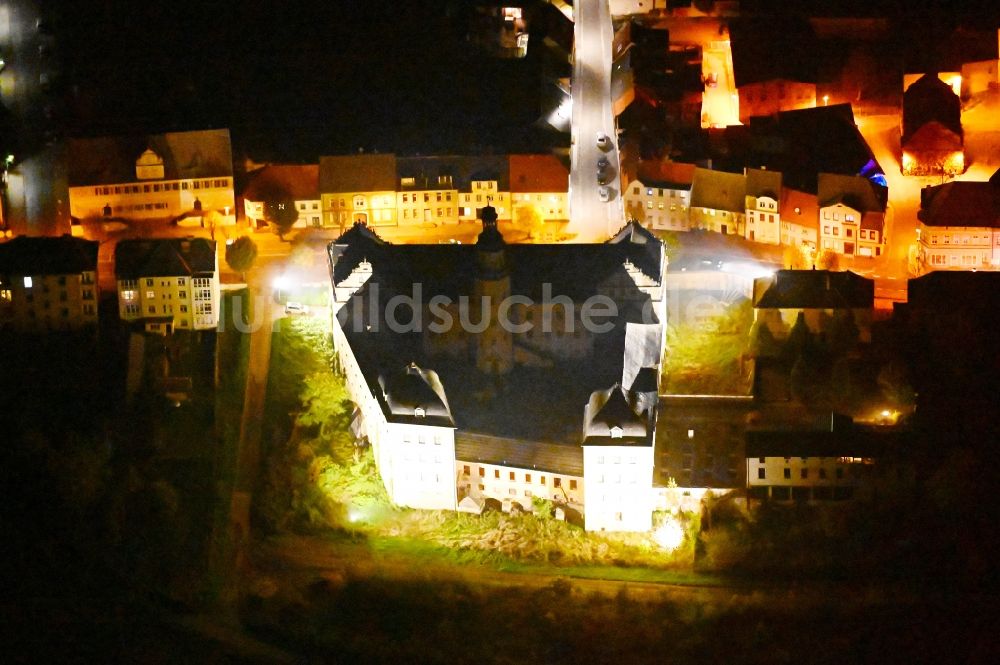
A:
497, 374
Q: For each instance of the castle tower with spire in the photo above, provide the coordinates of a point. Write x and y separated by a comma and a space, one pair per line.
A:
493, 348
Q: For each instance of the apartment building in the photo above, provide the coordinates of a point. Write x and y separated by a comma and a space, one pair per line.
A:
48, 284
168, 284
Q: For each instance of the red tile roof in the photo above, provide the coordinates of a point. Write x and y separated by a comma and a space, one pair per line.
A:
807, 205
301, 181
538, 173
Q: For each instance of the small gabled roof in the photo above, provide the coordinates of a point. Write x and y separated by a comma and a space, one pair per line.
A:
346, 174
538, 174
666, 175
960, 203
412, 389
761, 182
164, 257
930, 99
611, 410
718, 190
933, 137
853, 191
63, 255
799, 208
813, 289
299, 181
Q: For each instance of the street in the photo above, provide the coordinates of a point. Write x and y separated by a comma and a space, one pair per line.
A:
591, 219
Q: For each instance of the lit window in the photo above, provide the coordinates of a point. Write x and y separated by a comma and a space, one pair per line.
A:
27, 282
690, 433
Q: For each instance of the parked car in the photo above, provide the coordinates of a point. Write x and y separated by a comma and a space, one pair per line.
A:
602, 177
603, 142
604, 193
293, 308
602, 163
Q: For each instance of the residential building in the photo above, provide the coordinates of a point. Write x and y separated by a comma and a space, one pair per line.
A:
718, 201
932, 139
768, 80
837, 463
278, 184
852, 215
358, 189
659, 205
775, 95
168, 284
542, 182
803, 143
451, 189
959, 226
448, 437
48, 284
799, 219
818, 295
763, 212
159, 176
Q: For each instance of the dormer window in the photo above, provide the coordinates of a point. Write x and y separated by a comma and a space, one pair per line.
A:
149, 166
617, 432
419, 412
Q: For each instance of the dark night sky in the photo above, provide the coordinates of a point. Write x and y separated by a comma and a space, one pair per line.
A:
296, 78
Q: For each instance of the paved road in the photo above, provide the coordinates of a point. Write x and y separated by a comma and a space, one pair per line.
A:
592, 220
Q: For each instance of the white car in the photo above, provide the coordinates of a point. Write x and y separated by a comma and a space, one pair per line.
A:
293, 308
604, 193
603, 142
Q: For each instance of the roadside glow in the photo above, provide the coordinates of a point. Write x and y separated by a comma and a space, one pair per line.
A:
282, 282
746, 269
956, 84
826, 100
353, 515
669, 535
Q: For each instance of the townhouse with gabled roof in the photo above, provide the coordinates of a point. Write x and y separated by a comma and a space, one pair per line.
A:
277, 184
959, 226
932, 137
718, 201
168, 284
852, 215
763, 212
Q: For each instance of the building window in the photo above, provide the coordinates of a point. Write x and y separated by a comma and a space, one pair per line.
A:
527, 477
557, 482
512, 475
496, 473
788, 473
466, 470
803, 473
572, 484
27, 282
482, 472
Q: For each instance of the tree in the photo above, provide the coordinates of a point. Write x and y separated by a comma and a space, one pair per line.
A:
528, 219
796, 258
842, 334
762, 342
279, 209
241, 254
828, 260
799, 338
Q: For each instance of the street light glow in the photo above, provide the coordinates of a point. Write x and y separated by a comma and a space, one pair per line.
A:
669, 535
